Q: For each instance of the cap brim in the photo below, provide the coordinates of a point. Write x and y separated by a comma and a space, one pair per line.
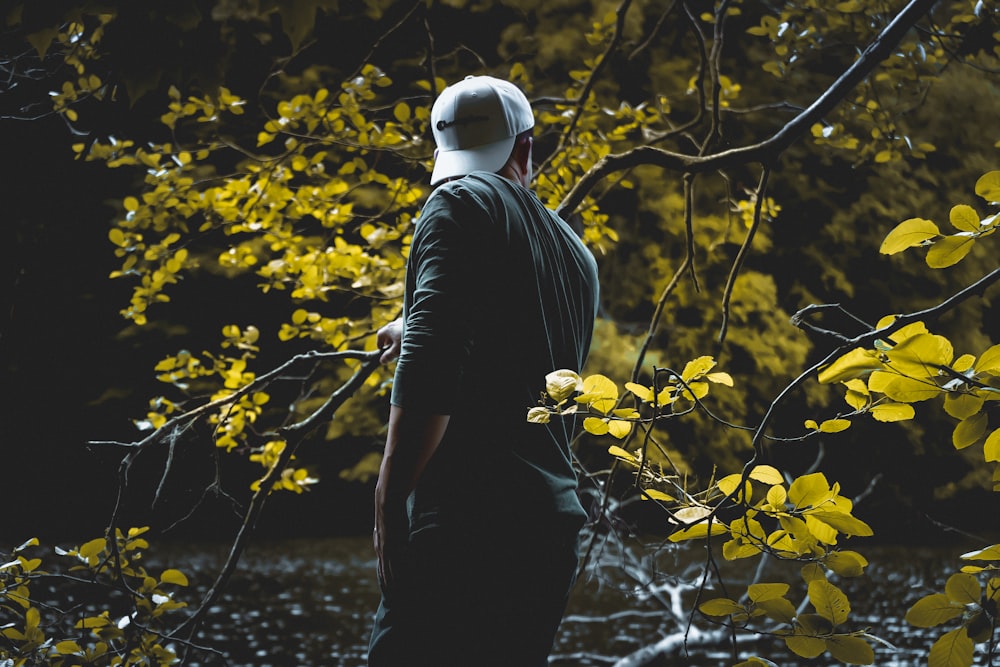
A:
488, 157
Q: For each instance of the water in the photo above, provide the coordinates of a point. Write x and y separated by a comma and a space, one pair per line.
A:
309, 602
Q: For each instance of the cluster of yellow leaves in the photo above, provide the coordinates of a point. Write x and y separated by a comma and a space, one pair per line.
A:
913, 365
93, 638
966, 598
944, 250
800, 521
601, 397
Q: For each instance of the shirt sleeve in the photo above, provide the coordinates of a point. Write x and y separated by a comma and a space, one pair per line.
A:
438, 328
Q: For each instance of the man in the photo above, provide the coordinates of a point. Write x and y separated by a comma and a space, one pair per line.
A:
476, 512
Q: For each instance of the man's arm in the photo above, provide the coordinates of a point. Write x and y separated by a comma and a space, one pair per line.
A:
411, 442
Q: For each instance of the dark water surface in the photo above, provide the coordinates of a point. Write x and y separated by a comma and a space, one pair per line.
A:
309, 603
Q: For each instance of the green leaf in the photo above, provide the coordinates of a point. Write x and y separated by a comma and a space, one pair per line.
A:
908, 234
850, 650
932, 610
963, 589
969, 431
952, 649
988, 186
949, 251
829, 601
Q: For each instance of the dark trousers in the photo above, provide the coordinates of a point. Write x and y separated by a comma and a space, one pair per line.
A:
475, 599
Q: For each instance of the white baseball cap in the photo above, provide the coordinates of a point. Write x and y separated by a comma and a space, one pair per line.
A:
475, 122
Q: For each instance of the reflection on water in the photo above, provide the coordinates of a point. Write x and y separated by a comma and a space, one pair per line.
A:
309, 602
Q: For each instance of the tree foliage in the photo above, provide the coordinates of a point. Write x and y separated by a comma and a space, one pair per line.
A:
734, 167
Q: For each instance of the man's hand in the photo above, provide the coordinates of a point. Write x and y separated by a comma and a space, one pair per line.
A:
390, 339
391, 536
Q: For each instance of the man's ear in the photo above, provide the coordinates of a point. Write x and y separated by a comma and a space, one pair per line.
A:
522, 155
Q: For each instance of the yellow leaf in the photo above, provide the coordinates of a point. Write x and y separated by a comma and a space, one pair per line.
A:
767, 591
402, 112
829, 601
809, 490
952, 649
654, 494
835, 425
644, 393
539, 415
920, 354
619, 428
949, 251
964, 218
721, 607
766, 474
989, 361
908, 234
822, 531
720, 378
988, 186
620, 453
173, 577
842, 521
991, 448
599, 392
892, 412
595, 425
969, 431
962, 406
776, 496
854, 364
93, 547
730, 483
989, 553
850, 650
561, 384
857, 395
698, 531
963, 589
901, 388
697, 367
806, 647
846, 563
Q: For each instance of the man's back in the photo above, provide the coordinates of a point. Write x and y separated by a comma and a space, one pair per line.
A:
497, 276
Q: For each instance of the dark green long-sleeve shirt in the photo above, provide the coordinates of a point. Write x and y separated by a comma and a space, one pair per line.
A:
499, 292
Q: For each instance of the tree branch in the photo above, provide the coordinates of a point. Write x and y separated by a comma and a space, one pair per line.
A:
766, 151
